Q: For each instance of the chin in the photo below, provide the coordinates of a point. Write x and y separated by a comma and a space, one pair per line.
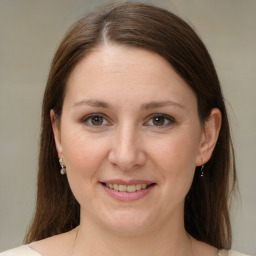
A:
126, 223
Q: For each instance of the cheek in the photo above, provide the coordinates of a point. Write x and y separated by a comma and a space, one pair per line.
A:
82, 153
175, 159
176, 151
84, 158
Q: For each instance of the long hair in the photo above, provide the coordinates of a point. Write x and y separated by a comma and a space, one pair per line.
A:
143, 26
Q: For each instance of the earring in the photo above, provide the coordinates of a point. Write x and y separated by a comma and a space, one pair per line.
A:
63, 166
202, 171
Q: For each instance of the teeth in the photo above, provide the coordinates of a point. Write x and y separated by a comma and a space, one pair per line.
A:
131, 188
143, 186
126, 188
122, 188
138, 186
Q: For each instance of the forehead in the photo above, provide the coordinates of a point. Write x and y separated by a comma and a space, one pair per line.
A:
111, 70
124, 60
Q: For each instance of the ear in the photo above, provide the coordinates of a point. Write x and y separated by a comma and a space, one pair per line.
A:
56, 131
209, 137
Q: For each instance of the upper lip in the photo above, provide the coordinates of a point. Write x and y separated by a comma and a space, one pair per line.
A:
127, 182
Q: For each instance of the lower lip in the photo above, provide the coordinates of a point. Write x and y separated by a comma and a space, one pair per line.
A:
128, 196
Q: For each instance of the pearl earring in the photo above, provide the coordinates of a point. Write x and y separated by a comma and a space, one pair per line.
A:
63, 166
202, 171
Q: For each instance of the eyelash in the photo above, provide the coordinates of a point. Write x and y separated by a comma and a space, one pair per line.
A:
88, 119
170, 120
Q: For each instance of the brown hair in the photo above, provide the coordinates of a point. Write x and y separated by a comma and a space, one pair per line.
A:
155, 29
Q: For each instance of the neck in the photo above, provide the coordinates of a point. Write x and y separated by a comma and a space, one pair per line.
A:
169, 239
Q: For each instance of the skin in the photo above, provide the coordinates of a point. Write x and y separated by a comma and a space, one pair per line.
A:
123, 85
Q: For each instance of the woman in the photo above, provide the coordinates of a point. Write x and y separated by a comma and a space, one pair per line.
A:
133, 113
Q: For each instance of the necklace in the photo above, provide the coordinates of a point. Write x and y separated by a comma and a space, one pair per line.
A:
74, 243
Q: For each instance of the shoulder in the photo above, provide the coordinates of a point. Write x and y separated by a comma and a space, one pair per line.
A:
24, 250
61, 244
230, 253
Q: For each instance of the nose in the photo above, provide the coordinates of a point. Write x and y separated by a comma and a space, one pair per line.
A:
127, 149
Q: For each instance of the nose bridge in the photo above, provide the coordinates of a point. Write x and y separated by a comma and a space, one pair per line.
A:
126, 150
127, 140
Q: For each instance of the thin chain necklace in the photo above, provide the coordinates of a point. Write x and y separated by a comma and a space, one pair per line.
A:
74, 243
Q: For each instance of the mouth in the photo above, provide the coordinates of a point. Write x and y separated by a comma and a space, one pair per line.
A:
127, 191
127, 188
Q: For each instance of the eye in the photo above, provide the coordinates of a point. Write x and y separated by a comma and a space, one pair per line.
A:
95, 120
160, 120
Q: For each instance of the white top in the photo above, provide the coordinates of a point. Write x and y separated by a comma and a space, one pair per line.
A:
26, 250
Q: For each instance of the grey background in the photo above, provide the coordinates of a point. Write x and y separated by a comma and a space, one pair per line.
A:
30, 31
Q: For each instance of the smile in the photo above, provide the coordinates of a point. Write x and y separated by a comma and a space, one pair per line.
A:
126, 188
127, 192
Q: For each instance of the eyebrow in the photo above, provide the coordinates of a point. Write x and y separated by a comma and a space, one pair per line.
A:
147, 106
160, 104
92, 103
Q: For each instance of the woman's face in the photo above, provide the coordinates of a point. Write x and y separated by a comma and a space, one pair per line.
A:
129, 122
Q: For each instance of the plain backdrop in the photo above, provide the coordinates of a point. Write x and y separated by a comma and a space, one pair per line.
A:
30, 31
